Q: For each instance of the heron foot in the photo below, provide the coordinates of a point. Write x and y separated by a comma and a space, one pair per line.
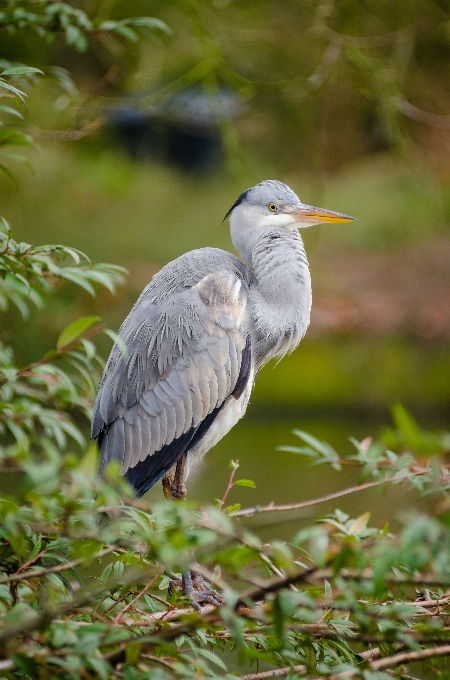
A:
194, 586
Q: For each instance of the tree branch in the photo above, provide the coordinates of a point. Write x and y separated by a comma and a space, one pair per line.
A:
409, 657
257, 509
274, 673
35, 573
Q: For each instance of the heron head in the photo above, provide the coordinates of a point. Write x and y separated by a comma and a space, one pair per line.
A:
272, 203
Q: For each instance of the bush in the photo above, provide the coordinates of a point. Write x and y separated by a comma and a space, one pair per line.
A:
84, 567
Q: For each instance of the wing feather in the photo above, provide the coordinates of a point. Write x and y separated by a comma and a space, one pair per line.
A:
181, 424
163, 428
127, 455
146, 437
171, 424
222, 384
119, 441
188, 413
150, 404
185, 351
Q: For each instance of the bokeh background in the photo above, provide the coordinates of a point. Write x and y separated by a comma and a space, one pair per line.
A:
141, 152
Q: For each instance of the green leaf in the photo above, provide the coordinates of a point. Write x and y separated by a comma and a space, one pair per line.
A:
245, 482
74, 330
77, 277
9, 174
233, 508
14, 138
107, 571
164, 583
18, 93
150, 22
12, 111
211, 657
17, 157
20, 71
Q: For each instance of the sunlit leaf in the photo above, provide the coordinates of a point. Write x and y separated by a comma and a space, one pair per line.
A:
11, 111
75, 330
245, 482
20, 71
359, 524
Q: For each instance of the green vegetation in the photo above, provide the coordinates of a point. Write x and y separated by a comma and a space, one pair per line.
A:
354, 89
84, 568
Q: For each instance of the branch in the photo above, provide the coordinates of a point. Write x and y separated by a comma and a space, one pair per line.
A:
249, 512
274, 673
230, 483
426, 117
35, 573
135, 599
36, 621
409, 657
70, 134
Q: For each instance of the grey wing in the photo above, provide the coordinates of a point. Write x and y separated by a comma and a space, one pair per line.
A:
185, 356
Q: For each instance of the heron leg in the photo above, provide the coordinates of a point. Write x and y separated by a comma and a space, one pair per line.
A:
192, 583
173, 483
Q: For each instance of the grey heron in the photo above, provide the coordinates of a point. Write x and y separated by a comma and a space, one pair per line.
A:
197, 337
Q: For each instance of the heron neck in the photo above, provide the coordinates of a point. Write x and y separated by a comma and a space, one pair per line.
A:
281, 295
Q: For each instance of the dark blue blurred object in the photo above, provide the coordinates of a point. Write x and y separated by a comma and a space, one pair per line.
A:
184, 130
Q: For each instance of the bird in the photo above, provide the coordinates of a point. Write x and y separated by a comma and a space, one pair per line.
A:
182, 371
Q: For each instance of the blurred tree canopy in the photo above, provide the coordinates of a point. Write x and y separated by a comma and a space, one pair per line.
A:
378, 69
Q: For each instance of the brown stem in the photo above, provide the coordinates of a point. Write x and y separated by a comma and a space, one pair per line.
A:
30, 562
409, 657
157, 659
230, 485
135, 599
35, 573
249, 512
274, 673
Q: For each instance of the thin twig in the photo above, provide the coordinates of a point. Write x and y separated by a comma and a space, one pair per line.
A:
30, 562
257, 509
35, 573
157, 659
70, 134
135, 599
159, 599
230, 485
274, 673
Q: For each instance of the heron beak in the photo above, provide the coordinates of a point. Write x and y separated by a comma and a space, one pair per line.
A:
308, 215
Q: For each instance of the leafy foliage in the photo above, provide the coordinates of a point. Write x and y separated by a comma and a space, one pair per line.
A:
34, 399
48, 18
83, 567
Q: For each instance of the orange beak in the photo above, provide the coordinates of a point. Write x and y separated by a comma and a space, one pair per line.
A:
309, 215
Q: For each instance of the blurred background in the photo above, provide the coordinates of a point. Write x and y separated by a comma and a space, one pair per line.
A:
143, 145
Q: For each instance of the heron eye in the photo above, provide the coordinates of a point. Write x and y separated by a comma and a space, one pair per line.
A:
272, 207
